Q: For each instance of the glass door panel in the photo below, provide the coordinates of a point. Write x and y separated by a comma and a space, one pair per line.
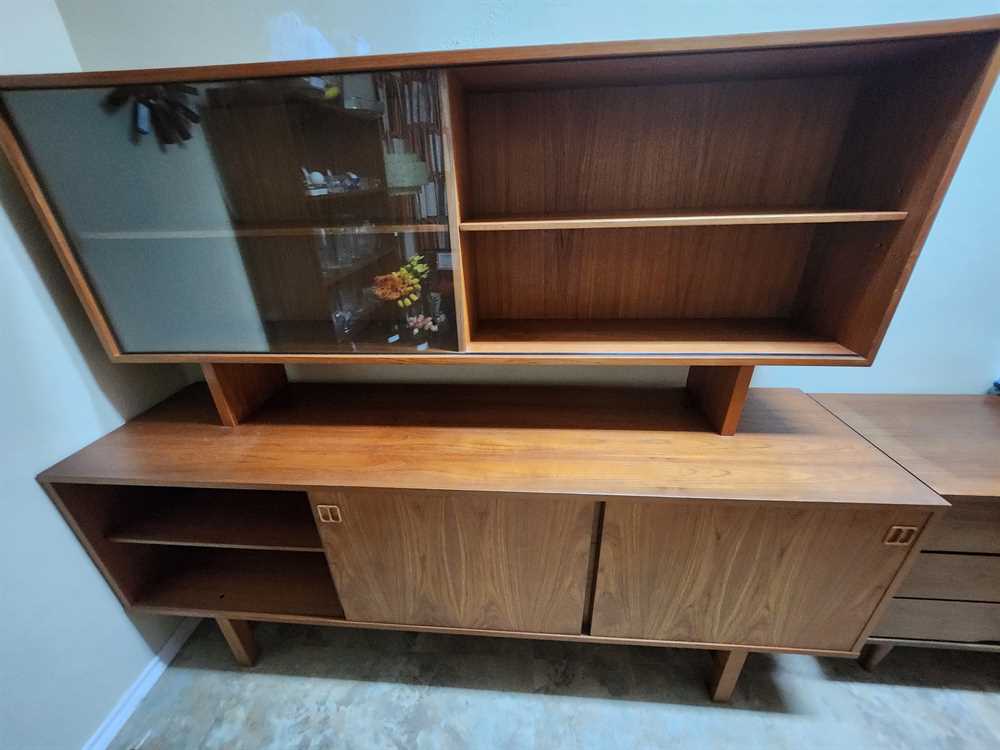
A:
301, 214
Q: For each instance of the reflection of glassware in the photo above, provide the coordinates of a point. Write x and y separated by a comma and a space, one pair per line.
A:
356, 244
328, 260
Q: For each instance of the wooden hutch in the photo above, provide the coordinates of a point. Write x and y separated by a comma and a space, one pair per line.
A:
717, 203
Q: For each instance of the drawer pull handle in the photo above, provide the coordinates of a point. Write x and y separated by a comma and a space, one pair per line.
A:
329, 513
900, 536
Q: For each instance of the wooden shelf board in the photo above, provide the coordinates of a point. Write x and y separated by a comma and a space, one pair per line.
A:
317, 336
696, 337
680, 219
243, 581
583, 442
265, 231
221, 518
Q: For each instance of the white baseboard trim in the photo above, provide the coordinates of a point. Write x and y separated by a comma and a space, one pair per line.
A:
130, 700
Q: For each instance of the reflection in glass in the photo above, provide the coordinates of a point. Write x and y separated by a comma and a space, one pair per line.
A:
269, 224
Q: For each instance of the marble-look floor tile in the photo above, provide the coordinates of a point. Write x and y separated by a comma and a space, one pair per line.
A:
318, 688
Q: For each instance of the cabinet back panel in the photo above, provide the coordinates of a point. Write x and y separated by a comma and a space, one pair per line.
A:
719, 272
726, 144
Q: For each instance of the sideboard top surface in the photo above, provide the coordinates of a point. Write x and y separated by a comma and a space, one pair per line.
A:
949, 442
601, 442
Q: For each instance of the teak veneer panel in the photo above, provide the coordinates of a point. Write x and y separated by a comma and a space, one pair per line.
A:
974, 578
972, 524
713, 272
483, 562
730, 144
218, 518
755, 575
934, 620
241, 582
720, 340
949, 442
591, 442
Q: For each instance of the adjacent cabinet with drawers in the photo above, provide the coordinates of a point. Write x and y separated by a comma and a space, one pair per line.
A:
951, 597
585, 514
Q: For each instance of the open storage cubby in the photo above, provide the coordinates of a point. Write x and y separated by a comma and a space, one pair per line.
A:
728, 203
176, 549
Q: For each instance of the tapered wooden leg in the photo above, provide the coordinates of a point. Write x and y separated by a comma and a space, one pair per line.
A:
872, 654
721, 393
726, 669
238, 390
240, 638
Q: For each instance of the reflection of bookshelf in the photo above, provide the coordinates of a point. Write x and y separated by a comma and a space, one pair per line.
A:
262, 136
411, 124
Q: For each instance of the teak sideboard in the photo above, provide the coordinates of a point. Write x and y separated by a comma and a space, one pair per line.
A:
718, 202
584, 514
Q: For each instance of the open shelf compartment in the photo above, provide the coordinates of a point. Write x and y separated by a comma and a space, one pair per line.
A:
246, 553
741, 203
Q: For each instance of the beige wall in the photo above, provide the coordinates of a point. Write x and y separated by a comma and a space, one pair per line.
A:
67, 650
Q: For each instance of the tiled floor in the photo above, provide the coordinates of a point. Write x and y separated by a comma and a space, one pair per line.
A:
319, 687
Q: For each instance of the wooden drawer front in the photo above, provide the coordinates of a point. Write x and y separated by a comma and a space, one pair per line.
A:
749, 574
933, 620
971, 524
973, 578
462, 560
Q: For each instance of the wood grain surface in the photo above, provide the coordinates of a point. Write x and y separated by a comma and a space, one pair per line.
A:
936, 620
721, 392
638, 148
592, 442
217, 518
949, 442
754, 575
974, 578
972, 524
713, 272
497, 562
238, 390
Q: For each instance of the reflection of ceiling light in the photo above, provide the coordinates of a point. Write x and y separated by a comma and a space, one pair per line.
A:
162, 109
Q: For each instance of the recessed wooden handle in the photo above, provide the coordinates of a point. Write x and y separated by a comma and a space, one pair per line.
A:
329, 513
900, 536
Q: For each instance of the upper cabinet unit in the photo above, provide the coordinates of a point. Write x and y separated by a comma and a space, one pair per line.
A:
742, 200
283, 215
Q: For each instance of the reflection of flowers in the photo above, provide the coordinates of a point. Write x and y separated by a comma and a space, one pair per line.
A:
419, 323
402, 286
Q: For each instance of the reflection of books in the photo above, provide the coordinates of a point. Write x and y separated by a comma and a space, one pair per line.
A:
405, 170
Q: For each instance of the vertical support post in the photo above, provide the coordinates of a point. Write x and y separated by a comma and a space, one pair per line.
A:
726, 669
453, 129
240, 638
238, 390
721, 393
872, 654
